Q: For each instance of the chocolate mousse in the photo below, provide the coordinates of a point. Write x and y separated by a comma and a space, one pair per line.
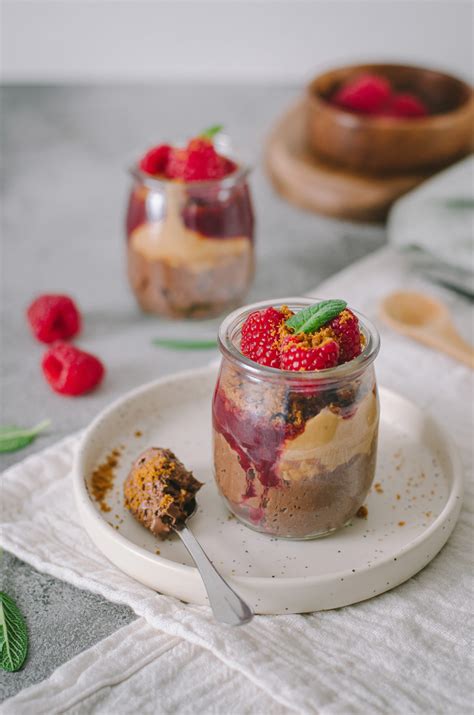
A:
190, 231
160, 492
295, 456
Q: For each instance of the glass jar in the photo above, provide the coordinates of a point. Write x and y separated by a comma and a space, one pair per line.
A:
294, 452
190, 245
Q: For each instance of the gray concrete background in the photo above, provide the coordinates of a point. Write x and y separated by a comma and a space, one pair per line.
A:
64, 191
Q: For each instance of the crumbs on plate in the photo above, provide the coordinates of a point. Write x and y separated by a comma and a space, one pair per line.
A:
102, 479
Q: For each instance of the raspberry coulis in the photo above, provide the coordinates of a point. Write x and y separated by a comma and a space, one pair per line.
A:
211, 217
221, 219
258, 442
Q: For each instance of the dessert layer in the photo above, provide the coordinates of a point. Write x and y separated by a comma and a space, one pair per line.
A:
181, 290
329, 440
229, 216
311, 505
286, 434
168, 239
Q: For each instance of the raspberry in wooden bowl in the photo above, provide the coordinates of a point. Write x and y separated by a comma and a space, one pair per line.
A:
295, 415
384, 118
190, 230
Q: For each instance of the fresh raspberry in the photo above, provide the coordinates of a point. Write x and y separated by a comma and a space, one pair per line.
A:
177, 163
260, 335
405, 105
368, 94
203, 161
299, 357
346, 330
70, 371
199, 161
53, 317
156, 159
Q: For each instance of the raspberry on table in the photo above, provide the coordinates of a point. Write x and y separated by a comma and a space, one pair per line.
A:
260, 336
368, 94
156, 160
53, 317
71, 371
347, 333
298, 357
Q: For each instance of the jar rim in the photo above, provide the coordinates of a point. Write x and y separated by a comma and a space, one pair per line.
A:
233, 323
236, 177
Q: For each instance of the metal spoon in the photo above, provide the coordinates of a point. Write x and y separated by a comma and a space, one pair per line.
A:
226, 605
428, 320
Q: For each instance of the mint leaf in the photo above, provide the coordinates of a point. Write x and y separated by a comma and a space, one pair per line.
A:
184, 344
13, 635
211, 132
310, 319
13, 438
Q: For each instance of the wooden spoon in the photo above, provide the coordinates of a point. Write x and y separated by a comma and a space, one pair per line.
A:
428, 320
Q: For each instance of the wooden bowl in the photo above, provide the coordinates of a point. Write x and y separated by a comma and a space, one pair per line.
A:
384, 145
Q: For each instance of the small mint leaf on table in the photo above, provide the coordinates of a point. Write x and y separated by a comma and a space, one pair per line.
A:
315, 316
13, 438
178, 344
13, 635
211, 132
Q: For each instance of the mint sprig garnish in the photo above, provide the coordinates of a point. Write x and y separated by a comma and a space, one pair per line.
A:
13, 635
178, 344
13, 438
315, 316
211, 132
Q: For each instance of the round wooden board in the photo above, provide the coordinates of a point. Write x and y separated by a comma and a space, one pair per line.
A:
301, 178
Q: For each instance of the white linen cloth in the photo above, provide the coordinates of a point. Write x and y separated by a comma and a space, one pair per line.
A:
406, 651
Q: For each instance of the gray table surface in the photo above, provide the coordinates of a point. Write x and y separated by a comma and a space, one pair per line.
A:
64, 193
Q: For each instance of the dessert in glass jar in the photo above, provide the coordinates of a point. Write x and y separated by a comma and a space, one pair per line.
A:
190, 230
295, 415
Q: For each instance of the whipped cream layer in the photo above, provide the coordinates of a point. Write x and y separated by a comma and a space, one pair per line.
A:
329, 440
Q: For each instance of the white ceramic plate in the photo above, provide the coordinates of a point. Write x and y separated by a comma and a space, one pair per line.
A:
411, 513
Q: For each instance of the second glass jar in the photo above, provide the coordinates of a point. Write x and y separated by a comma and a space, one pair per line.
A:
190, 245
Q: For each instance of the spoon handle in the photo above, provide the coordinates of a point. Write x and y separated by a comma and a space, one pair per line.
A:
226, 605
447, 340
455, 346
